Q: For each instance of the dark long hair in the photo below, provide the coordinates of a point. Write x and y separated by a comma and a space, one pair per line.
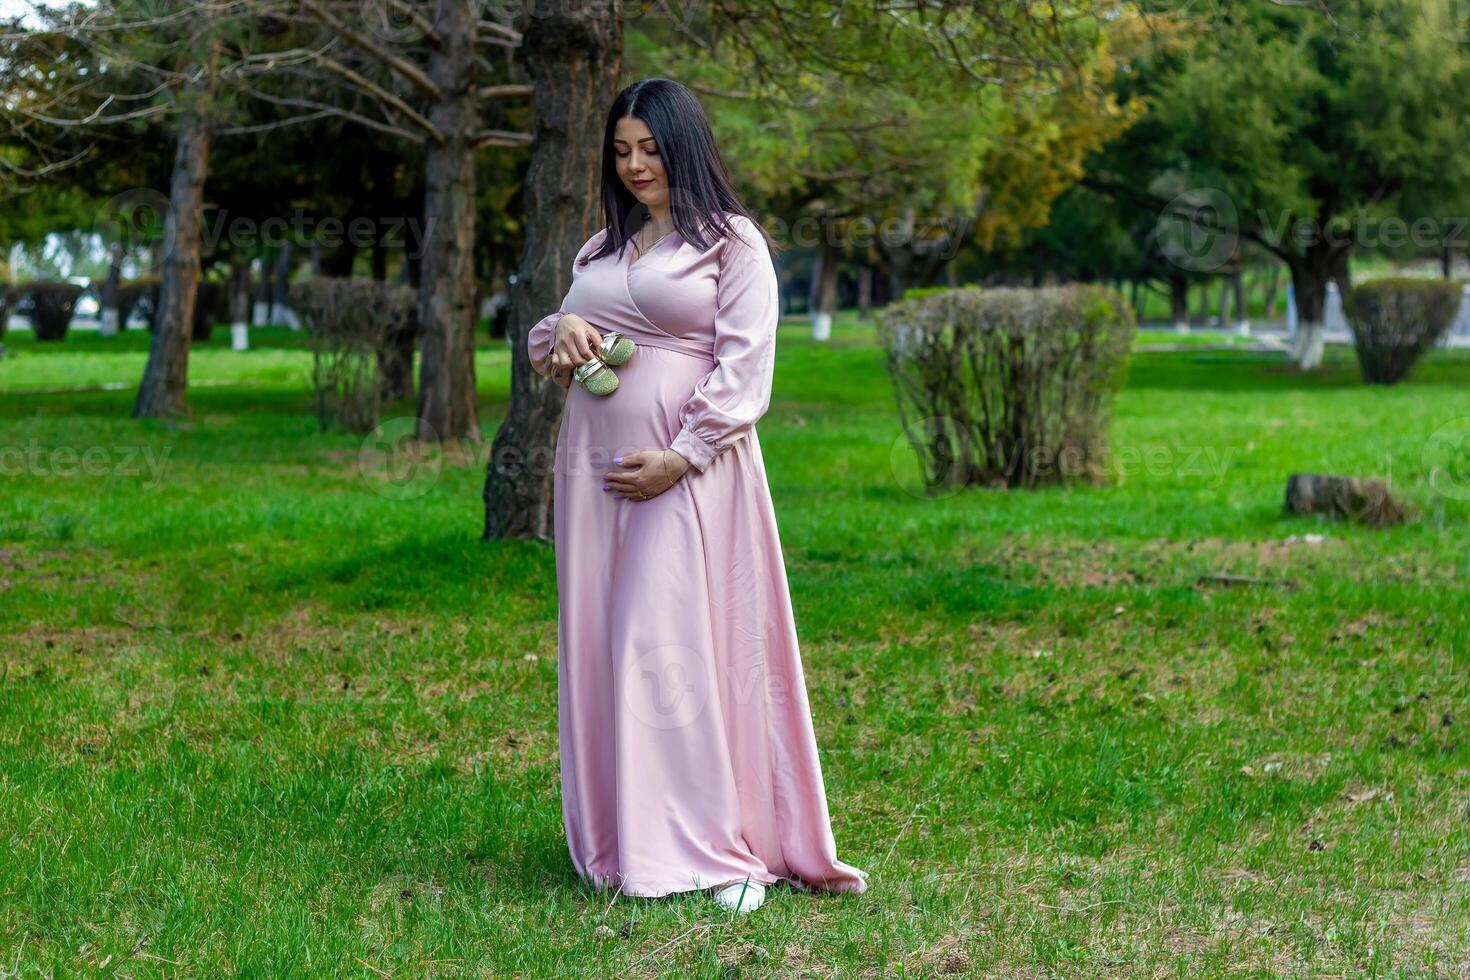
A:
700, 195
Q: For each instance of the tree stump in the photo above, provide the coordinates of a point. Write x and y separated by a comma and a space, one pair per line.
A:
1351, 497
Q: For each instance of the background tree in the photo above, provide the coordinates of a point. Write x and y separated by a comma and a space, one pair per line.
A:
572, 51
1296, 126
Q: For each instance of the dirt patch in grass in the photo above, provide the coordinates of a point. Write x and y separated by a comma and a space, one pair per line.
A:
43, 643
1102, 564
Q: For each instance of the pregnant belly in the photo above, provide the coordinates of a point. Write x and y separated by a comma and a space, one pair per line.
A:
642, 414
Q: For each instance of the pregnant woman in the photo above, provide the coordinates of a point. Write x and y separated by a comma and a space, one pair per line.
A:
688, 756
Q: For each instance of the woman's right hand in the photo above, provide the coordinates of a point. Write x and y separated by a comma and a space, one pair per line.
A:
576, 343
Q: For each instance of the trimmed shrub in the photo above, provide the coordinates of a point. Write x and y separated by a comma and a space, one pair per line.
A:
1008, 387
52, 304
356, 330
1395, 321
211, 305
919, 292
146, 292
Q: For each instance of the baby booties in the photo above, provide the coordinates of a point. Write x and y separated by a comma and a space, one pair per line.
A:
597, 375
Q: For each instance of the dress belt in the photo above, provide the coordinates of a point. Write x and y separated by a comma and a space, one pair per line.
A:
644, 337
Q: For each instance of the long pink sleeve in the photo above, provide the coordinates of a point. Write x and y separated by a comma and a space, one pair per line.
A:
730, 399
542, 336
539, 342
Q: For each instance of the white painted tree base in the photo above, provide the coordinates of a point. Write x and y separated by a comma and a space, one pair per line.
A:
239, 336
821, 326
284, 316
1307, 346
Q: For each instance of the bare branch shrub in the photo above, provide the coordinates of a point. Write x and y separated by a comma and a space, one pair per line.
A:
352, 328
1008, 387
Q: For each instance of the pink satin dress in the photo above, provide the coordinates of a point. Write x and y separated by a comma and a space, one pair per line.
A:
688, 756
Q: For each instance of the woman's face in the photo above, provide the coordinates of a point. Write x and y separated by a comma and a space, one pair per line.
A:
640, 167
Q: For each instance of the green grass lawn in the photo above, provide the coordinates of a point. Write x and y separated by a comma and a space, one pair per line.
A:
261, 715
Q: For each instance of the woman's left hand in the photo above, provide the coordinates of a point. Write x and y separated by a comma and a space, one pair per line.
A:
647, 473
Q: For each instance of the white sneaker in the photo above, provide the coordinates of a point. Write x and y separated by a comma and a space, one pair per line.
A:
743, 896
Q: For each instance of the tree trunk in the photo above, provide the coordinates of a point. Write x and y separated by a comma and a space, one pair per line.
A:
447, 407
337, 262
814, 286
1237, 294
380, 260
395, 366
1354, 498
572, 50
161, 395
381, 166
1179, 303
111, 321
280, 285
1271, 286
260, 314
900, 271
239, 303
826, 293
1309, 275
865, 292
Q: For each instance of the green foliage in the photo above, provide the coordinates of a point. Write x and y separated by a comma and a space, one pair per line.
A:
915, 292
1293, 112
969, 119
